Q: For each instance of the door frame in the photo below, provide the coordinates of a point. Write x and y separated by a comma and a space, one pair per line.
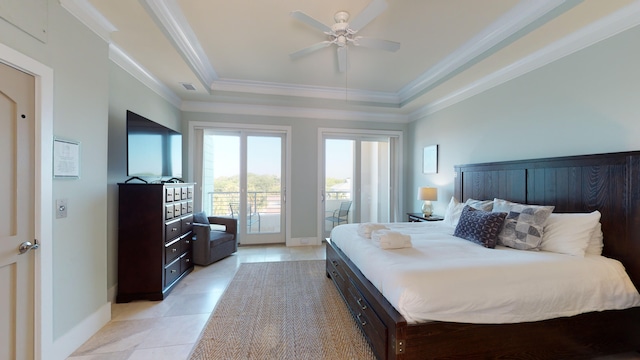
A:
396, 198
286, 130
43, 207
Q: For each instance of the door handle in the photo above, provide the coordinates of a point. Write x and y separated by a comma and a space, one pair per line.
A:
26, 246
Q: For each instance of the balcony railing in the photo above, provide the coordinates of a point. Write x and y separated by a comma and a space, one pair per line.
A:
263, 202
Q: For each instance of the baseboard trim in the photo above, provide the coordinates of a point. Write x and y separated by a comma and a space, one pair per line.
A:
72, 340
304, 241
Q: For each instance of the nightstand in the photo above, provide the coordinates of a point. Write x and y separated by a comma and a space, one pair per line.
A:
419, 217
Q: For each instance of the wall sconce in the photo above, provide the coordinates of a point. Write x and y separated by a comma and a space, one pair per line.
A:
427, 194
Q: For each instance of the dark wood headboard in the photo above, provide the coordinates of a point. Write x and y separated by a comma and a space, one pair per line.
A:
609, 183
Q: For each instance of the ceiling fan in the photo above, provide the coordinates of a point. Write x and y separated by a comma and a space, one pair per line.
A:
343, 33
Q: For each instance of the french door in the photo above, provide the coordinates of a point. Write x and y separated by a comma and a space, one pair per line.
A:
359, 178
243, 177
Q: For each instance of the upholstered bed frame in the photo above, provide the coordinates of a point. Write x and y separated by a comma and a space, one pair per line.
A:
609, 183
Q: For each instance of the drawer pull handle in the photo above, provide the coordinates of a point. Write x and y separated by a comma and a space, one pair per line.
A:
363, 323
334, 273
359, 301
174, 229
172, 271
335, 263
187, 241
188, 260
174, 250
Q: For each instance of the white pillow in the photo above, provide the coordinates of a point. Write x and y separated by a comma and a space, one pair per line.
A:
596, 243
484, 205
569, 233
453, 212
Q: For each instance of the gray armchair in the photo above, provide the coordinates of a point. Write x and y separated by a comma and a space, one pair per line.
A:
211, 245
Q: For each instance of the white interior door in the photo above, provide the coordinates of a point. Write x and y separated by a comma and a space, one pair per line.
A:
17, 184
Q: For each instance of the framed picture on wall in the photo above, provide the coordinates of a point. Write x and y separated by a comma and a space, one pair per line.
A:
66, 159
430, 159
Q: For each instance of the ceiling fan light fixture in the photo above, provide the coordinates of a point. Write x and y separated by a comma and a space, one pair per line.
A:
342, 33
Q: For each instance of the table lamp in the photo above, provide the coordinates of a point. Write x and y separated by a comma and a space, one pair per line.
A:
427, 194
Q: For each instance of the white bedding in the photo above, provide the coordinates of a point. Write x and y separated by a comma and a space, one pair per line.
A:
445, 278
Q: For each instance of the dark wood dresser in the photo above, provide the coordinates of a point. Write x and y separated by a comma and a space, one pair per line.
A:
155, 223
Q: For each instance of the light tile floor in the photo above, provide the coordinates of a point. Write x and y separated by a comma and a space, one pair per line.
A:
168, 329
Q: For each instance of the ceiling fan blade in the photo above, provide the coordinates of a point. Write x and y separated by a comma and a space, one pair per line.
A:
342, 58
379, 44
307, 50
299, 15
375, 8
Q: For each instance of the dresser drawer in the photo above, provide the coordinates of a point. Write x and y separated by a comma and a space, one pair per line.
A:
190, 192
172, 251
186, 262
168, 212
183, 193
168, 196
172, 272
172, 230
187, 223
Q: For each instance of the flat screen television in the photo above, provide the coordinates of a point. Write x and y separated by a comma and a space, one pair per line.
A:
153, 150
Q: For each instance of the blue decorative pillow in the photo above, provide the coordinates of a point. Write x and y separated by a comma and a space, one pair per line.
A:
200, 218
480, 227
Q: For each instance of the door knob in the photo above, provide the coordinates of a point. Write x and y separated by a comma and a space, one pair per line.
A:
27, 245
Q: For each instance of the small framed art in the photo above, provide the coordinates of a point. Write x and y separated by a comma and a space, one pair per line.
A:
66, 159
430, 159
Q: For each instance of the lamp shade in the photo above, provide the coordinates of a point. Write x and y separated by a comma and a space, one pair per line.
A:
427, 193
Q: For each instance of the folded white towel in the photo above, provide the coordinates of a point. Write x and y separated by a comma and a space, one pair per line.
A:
365, 229
388, 239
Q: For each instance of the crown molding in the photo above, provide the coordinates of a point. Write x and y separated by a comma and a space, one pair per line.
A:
292, 112
169, 17
90, 17
122, 59
603, 29
316, 92
522, 15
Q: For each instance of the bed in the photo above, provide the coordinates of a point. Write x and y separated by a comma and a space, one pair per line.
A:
609, 183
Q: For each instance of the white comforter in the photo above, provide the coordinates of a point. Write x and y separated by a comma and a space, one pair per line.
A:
446, 278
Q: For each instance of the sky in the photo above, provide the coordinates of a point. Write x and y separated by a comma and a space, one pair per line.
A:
264, 156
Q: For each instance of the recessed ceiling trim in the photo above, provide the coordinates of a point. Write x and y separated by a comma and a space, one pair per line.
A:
90, 17
522, 15
316, 92
605, 28
292, 112
171, 20
123, 60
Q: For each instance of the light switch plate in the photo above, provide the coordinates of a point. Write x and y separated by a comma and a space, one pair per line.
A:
61, 208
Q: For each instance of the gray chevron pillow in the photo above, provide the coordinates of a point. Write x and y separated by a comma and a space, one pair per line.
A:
524, 224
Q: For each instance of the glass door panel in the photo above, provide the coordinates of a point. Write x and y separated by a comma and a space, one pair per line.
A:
242, 179
374, 181
357, 183
338, 183
264, 184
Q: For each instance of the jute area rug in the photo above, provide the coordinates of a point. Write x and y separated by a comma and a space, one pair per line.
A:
281, 310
